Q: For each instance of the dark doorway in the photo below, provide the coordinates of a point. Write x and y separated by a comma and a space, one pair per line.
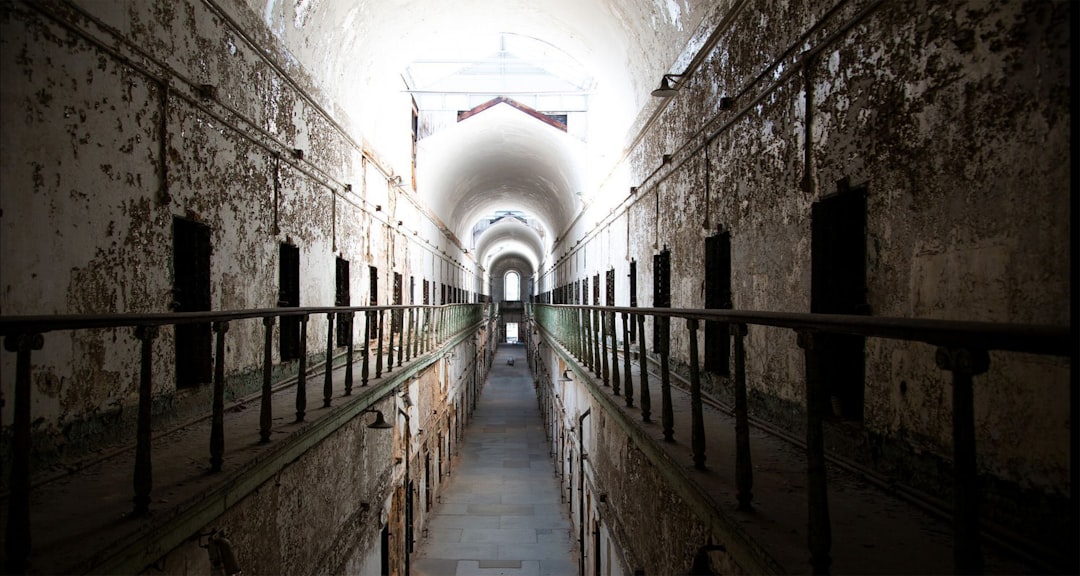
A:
289, 297
396, 324
342, 298
384, 566
373, 290
717, 296
191, 293
838, 286
633, 299
661, 298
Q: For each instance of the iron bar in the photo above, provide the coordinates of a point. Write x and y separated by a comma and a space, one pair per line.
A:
615, 380
646, 401
266, 409
390, 344
744, 472
17, 542
663, 347
143, 481
964, 363
697, 419
301, 372
602, 320
627, 321
217, 423
819, 534
347, 319
328, 372
379, 345
365, 368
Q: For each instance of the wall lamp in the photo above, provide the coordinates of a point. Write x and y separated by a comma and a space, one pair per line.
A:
380, 423
669, 86
566, 377
222, 557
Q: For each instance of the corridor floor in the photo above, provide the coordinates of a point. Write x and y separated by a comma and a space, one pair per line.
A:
500, 511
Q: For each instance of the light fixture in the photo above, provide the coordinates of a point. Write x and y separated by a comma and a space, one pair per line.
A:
222, 558
380, 423
565, 377
669, 86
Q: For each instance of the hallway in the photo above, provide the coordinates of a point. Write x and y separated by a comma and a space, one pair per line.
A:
500, 511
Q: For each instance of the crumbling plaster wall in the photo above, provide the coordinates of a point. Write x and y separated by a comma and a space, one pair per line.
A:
955, 118
109, 134
650, 527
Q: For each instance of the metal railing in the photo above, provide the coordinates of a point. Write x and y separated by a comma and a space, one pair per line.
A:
419, 330
589, 334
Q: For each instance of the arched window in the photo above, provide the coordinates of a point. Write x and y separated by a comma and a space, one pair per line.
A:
511, 286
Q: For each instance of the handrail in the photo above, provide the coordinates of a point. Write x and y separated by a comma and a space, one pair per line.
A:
962, 348
421, 329
23, 324
1035, 338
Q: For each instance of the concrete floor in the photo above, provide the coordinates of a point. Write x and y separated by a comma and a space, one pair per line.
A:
500, 511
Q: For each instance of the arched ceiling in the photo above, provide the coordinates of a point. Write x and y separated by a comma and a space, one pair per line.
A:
358, 51
510, 236
513, 163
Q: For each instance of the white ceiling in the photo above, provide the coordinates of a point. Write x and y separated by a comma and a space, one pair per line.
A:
500, 159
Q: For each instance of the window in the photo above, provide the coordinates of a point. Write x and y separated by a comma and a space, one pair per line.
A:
512, 286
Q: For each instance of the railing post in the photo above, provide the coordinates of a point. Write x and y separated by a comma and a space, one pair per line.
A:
410, 333
744, 472
614, 353
697, 419
379, 345
663, 347
143, 465
601, 319
390, 345
627, 320
17, 543
217, 425
964, 363
402, 333
365, 368
328, 373
347, 318
646, 401
301, 372
266, 408
819, 525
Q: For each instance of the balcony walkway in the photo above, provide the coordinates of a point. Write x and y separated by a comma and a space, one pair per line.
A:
874, 531
500, 510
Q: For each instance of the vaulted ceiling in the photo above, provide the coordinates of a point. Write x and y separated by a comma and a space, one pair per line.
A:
612, 51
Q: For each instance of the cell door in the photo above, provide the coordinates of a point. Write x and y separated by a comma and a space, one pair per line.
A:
717, 296
289, 297
838, 286
395, 325
633, 299
191, 293
342, 298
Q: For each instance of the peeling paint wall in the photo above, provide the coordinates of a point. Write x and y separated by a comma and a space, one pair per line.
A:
954, 116
118, 118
